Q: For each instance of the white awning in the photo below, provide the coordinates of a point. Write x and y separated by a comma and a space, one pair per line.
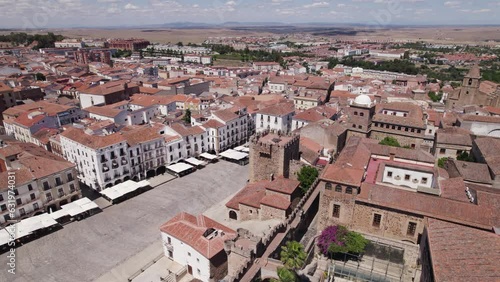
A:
5, 236
77, 207
58, 214
208, 156
121, 189
195, 162
234, 155
29, 225
179, 167
242, 149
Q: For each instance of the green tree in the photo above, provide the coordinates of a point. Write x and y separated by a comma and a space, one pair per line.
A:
180, 44
286, 275
355, 242
187, 116
435, 97
307, 175
466, 157
40, 76
442, 162
338, 239
293, 255
390, 141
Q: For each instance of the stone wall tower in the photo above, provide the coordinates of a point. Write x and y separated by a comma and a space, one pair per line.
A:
270, 154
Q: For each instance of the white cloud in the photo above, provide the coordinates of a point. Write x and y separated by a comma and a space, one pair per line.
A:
130, 6
452, 4
317, 5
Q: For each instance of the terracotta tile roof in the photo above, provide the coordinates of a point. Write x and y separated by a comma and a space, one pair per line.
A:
9, 151
350, 166
400, 153
429, 205
310, 115
250, 195
23, 176
473, 172
226, 115
92, 141
310, 150
35, 159
275, 201
415, 116
187, 130
29, 119
488, 147
454, 136
488, 87
106, 89
475, 118
140, 134
283, 185
280, 109
148, 90
460, 253
212, 124
434, 117
50, 109
492, 110
105, 111
192, 230
454, 189
4, 88
150, 100
43, 135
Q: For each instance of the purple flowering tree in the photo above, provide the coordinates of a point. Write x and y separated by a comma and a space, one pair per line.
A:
331, 235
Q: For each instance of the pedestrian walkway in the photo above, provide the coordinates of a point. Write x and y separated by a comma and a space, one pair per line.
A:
130, 266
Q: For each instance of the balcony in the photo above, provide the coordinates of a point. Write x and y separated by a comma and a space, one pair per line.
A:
114, 164
169, 247
104, 160
124, 161
105, 168
113, 157
126, 171
107, 179
61, 194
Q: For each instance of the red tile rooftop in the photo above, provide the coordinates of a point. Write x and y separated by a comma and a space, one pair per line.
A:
191, 230
460, 253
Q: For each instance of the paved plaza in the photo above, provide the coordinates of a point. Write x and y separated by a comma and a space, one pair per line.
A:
86, 250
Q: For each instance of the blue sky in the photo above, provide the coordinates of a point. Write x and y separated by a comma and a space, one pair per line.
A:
71, 13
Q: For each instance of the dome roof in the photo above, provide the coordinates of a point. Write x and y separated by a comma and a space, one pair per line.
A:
363, 100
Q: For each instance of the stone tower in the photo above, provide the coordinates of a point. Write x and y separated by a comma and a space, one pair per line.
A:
270, 155
360, 114
468, 94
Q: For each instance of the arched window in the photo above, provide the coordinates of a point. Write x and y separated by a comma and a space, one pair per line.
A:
348, 190
355, 113
362, 114
470, 83
338, 188
328, 186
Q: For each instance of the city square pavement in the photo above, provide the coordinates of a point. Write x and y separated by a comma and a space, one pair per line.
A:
86, 250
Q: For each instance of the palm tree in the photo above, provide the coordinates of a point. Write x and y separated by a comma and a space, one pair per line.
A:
293, 255
285, 275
